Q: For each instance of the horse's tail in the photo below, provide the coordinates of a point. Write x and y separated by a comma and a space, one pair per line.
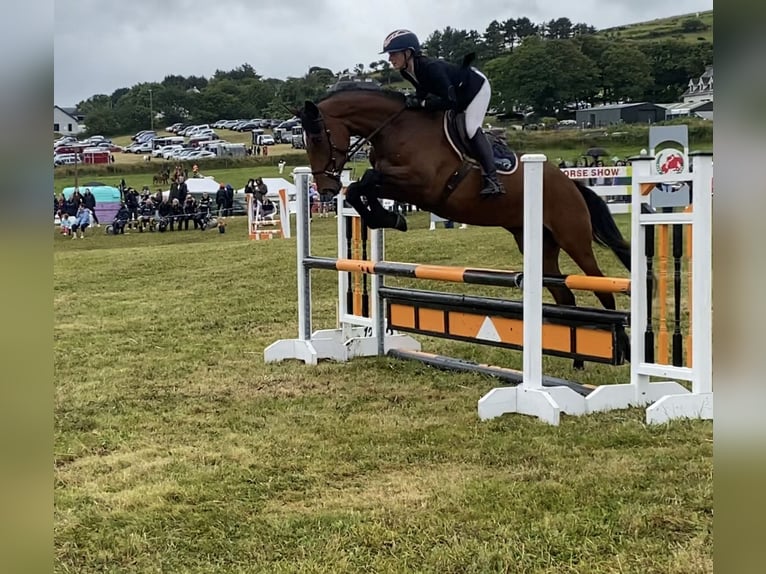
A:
605, 230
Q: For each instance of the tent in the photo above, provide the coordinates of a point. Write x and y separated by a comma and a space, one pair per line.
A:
274, 184
199, 185
107, 199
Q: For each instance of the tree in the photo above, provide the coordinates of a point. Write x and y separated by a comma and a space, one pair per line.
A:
243, 72
625, 73
433, 44
560, 28
387, 73
524, 28
582, 29
545, 75
509, 34
493, 41
693, 25
673, 63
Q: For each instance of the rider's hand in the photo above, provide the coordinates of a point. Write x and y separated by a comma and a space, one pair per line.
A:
412, 102
435, 103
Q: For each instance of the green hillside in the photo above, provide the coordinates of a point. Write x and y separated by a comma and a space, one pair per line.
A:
694, 27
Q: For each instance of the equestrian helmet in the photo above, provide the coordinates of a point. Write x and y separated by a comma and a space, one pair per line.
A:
400, 40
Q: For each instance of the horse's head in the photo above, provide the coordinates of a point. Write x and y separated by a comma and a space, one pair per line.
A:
327, 143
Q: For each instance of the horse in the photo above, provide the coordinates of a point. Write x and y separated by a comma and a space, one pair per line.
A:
161, 178
413, 162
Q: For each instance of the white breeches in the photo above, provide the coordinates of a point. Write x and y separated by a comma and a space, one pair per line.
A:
474, 113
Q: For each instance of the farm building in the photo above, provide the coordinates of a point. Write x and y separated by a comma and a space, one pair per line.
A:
700, 109
632, 113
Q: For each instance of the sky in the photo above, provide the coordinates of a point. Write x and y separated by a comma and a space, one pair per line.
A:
101, 46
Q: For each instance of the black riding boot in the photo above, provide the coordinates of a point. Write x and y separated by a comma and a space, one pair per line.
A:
483, 154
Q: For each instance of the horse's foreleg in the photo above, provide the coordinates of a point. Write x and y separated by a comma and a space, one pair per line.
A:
364, 197
355, 198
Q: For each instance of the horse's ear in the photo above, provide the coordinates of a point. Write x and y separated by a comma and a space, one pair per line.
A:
310, 110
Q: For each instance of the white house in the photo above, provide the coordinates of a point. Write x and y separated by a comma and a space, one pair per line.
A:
65, 121
700, 89
697, 99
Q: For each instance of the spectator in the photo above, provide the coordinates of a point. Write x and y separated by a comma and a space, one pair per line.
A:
82, 222
76, 201
121, 219
261, 189
205, 203
250, 186
183, 189
146, 214
66, 223
229, 199
190, 209
220, 199
173, 193
163, 209
281, 166
313, 199
132, 202
176, 214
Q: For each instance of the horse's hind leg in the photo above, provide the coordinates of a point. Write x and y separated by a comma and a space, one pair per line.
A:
577, 240
561, 294
586, 260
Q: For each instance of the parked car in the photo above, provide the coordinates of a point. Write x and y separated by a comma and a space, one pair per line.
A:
108, 146
200, 154
143, 147
66, 159
143, 134
169, 150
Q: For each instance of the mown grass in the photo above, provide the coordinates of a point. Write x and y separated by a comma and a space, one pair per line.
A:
178, 450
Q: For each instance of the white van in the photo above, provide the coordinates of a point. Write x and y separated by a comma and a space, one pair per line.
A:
166, 141
265, 139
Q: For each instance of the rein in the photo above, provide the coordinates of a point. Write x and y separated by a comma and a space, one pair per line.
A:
358, 145
332, 169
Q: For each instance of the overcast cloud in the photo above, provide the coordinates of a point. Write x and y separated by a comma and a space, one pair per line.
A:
101, 46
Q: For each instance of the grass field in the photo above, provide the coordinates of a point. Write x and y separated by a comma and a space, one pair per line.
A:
178, 450
664, 29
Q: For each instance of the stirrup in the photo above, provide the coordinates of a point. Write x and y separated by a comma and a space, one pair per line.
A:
491, 188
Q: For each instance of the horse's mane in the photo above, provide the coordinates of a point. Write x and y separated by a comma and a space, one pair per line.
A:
362, 87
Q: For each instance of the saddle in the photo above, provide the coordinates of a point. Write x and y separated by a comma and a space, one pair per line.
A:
506, 161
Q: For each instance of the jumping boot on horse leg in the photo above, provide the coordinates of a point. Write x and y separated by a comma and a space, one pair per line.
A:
483, 154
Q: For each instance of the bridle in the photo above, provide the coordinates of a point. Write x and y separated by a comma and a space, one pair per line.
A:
332, 168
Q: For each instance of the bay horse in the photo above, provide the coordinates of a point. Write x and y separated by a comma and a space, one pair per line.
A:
413, 162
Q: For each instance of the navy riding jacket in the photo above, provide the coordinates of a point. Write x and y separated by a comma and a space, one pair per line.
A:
456, 86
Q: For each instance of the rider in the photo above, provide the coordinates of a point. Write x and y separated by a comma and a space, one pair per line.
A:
464, 89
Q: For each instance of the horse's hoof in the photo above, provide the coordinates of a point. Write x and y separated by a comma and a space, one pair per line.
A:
401, 223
